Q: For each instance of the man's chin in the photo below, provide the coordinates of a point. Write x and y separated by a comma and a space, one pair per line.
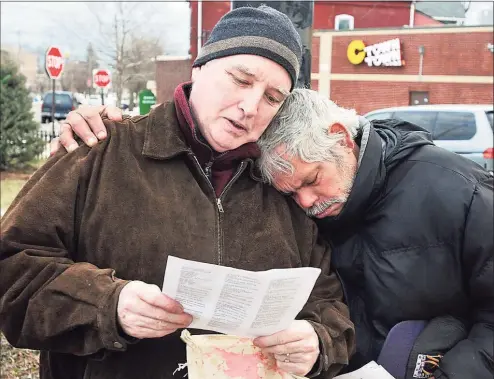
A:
222, 145
332, 211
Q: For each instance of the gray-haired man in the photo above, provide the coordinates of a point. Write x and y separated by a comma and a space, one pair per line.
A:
411, 228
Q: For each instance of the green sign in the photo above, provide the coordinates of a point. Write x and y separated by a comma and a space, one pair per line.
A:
146, 101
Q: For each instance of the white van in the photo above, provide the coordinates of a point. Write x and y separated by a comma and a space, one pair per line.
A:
463, 129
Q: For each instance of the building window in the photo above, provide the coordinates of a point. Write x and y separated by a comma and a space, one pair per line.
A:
419, 98
344, 22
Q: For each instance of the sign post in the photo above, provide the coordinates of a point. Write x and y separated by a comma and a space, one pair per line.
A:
54, 67
101, 80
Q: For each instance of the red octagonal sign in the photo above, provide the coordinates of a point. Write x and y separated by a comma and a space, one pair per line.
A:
54, 62
101, 78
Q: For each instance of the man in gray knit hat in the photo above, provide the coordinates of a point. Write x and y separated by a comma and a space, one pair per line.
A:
83, 286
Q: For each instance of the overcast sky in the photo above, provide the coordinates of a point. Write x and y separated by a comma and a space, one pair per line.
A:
72, 25
35, 25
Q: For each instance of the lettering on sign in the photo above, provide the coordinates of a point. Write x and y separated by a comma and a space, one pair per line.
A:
101, 78
55, 62
387, 53
148, 100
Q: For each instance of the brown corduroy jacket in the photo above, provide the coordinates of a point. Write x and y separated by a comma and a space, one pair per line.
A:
90, 220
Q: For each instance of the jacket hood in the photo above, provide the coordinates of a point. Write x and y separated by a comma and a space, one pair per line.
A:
383, 144
400, 139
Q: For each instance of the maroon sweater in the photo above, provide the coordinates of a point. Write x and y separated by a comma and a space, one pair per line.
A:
222, 165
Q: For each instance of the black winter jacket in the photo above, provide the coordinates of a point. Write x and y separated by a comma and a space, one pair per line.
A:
414, 242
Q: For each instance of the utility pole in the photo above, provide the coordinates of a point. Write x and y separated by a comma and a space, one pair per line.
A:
18, 47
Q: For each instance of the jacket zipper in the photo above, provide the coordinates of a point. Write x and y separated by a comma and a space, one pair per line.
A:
219, 204
220, 208
203, 172
230, 183
207, 169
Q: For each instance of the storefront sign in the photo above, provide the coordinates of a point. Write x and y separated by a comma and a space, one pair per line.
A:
387, 53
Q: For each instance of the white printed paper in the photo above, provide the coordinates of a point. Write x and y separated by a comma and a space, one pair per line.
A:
370, 371
238, 302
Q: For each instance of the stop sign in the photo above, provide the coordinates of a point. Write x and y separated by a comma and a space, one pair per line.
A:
54, 62
101, 78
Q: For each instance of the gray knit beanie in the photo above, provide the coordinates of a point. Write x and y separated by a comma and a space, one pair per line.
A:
262, 31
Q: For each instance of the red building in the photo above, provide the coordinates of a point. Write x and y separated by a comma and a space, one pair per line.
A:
360, 14
446, 65
368, 14
456, 66
211, 12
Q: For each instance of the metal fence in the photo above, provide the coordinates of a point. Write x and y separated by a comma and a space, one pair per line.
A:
46, 137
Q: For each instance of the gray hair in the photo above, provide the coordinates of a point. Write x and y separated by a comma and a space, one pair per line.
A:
302, 129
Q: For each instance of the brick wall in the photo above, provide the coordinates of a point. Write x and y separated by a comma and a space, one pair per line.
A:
315, 54
369, 96
169, 74
366, 14
421, 19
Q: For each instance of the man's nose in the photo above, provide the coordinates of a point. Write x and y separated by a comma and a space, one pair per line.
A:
250, 102
305, 198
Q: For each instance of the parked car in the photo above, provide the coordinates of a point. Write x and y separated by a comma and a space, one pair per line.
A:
64, 103
463, 129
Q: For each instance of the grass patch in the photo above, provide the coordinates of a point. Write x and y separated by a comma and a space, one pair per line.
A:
9, 188
11, 183
17, 363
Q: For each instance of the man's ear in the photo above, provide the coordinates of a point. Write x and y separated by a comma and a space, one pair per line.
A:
347, 140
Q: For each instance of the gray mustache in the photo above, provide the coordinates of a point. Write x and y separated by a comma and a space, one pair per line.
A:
321, 207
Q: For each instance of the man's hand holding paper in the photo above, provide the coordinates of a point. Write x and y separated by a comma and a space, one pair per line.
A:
295, 349
145, 312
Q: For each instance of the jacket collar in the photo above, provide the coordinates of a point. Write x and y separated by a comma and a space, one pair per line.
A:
368, 182
164, 139
369, 178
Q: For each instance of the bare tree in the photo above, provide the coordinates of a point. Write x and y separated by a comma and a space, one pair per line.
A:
74, 77
141, 64
118, 28
92, 63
